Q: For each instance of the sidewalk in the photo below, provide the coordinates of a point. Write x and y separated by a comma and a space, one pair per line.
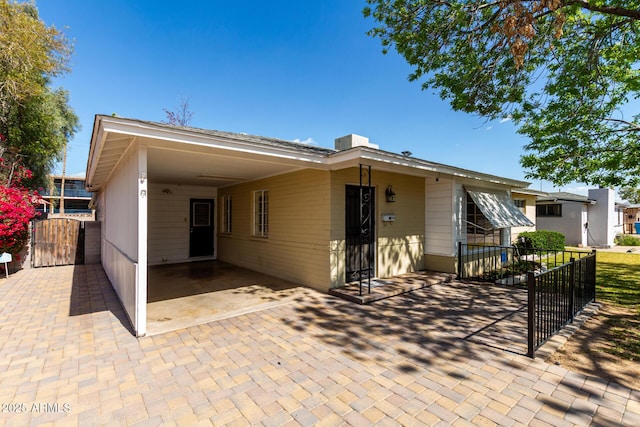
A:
67, 357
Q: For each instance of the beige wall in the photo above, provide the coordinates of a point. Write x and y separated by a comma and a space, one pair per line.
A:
297, 247
400, 244
529, 211
446, 264
439, 223
121, 203
443, 226
169, 207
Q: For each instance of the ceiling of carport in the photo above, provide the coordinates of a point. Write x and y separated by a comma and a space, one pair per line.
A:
208, 167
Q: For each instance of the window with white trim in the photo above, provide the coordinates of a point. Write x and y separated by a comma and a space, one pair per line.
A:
480, 231
226, 214
261, 213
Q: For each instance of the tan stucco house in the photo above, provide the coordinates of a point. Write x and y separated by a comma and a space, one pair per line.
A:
168, 194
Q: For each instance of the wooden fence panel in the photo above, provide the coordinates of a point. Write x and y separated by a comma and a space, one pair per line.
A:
58, 241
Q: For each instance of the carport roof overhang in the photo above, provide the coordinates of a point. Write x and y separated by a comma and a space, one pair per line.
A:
188, 156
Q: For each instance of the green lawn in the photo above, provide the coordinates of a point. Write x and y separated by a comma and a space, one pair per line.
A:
618, 284
618, 279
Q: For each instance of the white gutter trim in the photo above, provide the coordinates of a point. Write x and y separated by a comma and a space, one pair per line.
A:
145, 130
105, 124
365, 153
93, 146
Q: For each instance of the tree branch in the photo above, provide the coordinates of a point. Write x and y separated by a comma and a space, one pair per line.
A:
632, 127
608, 10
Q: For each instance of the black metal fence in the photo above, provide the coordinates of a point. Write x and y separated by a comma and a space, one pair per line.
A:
559, 283
557, 296
508, 265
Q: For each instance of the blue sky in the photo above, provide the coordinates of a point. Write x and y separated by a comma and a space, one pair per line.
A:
296, 70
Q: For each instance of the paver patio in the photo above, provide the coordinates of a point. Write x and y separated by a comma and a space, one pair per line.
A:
68, 357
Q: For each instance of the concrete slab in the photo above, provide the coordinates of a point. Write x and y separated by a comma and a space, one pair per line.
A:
189, 294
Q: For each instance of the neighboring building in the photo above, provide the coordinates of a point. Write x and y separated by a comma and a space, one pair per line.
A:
631, 216
592, 220
525, 200
170, 194
76, 199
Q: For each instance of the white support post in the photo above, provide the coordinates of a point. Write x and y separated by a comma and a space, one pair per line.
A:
141, 274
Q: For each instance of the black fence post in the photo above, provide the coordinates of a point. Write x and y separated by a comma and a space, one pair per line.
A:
459, 260
531, 314
572, 287
592, 283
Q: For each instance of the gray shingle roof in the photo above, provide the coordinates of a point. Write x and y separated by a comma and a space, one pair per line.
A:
254, 139
564, 196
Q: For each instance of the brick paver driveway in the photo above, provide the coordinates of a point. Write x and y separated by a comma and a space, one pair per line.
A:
67, 357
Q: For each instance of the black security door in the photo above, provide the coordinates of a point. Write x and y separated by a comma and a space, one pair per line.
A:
201, 228
360, 232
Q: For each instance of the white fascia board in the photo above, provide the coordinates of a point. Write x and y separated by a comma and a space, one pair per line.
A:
145, 130
95, 148
530, 192
425, 167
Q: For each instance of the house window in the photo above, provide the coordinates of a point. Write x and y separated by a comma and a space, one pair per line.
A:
549, 210
521, 204
226, 214
480, 231
261, 213
201, 214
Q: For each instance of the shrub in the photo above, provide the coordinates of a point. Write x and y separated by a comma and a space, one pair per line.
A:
541, 239
626, 240
16, 210
17, 203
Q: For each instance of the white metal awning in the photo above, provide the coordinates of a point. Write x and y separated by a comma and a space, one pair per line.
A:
499, 209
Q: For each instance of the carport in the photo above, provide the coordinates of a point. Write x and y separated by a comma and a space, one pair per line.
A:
188, 294
157, 195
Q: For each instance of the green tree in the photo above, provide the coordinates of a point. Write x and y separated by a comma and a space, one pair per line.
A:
632, 195
38, 131
563, 70
36, 120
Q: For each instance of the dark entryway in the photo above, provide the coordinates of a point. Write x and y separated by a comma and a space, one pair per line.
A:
360, 232
201, 228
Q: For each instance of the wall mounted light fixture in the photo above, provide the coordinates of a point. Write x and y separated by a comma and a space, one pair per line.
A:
390, 195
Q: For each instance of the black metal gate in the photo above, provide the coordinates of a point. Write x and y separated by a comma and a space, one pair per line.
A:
360, 229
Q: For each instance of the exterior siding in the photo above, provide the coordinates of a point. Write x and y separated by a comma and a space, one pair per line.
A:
439, 225
400, 244
169, 220
121, 197
120, 237
529, 211
443, 223
297, 247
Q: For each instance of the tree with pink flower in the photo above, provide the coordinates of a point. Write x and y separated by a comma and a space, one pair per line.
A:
17, 203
